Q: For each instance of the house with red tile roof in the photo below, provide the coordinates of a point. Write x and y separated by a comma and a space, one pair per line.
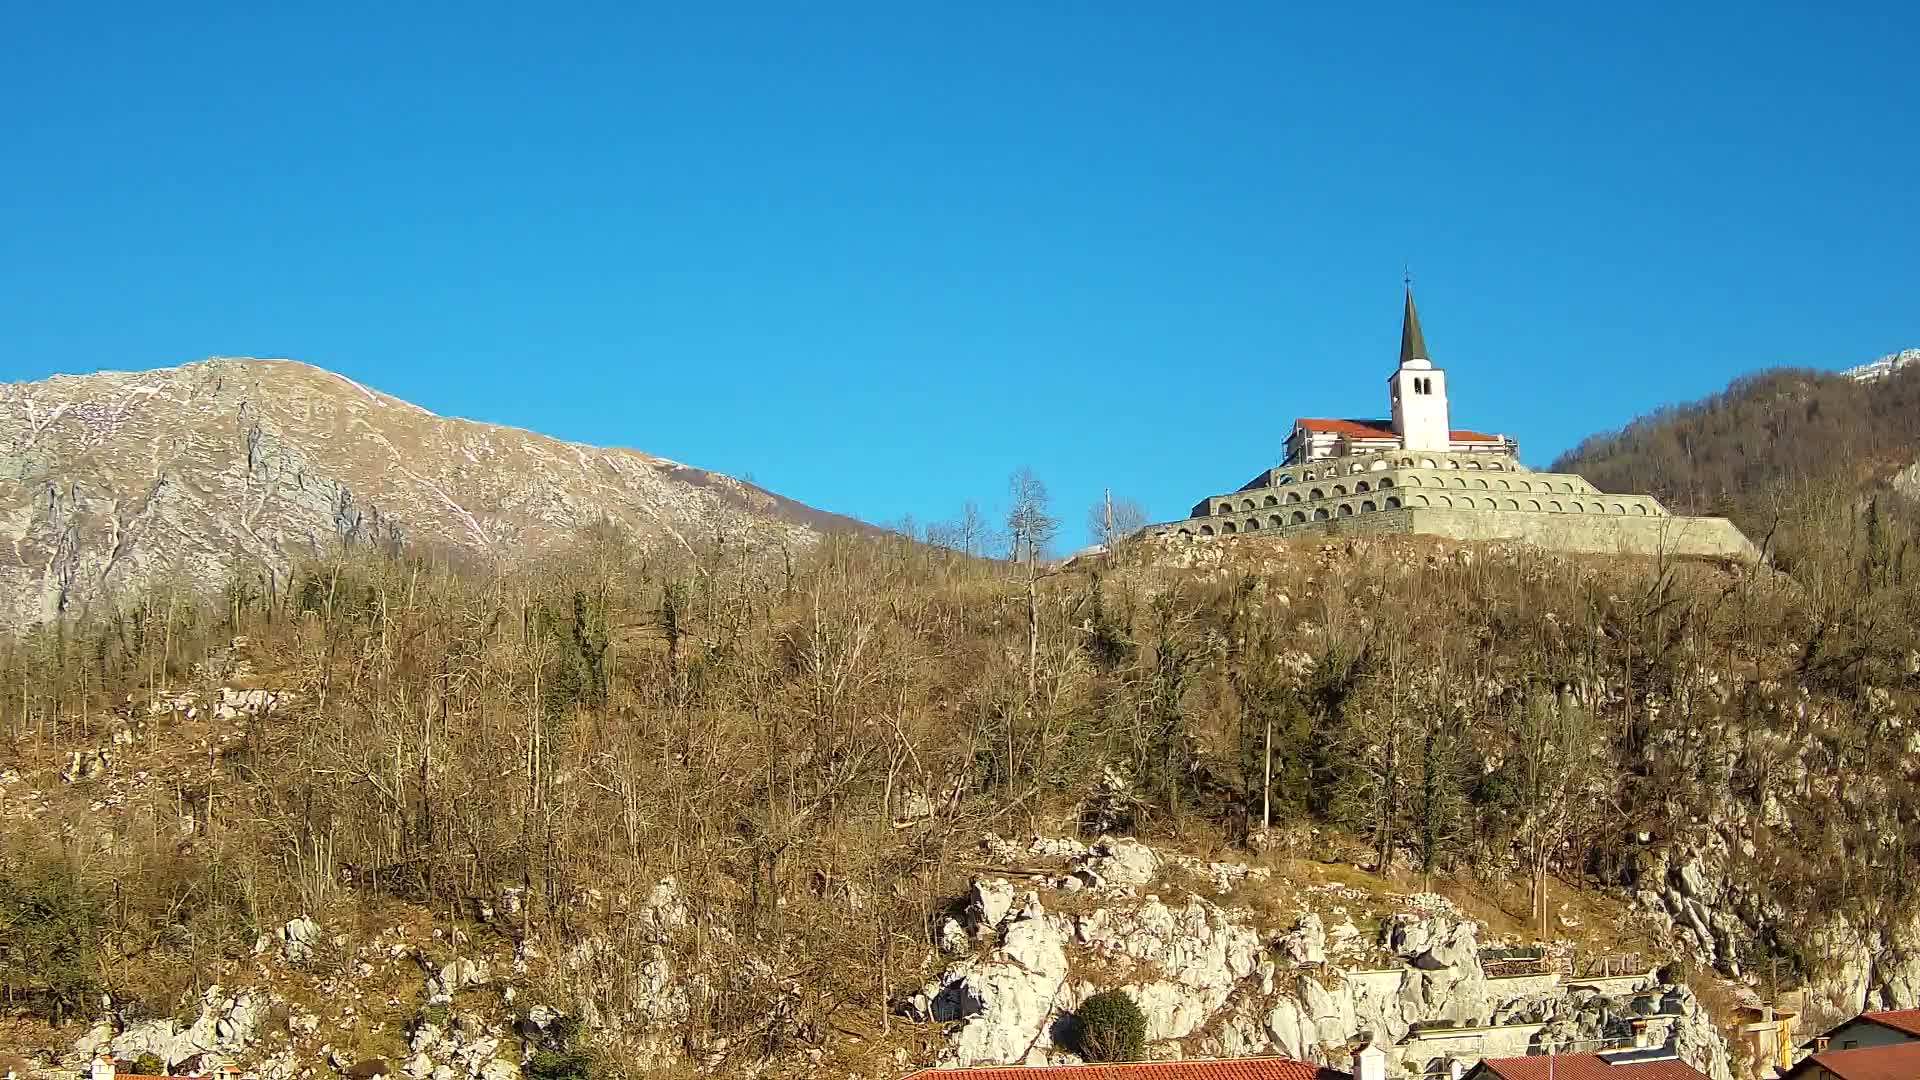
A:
1881, 1028
1889, 1061
1618, 1065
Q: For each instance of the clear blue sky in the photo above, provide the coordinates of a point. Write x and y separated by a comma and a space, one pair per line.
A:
878, 256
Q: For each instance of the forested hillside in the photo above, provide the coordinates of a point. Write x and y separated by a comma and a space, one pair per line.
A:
1775, 450
717, 806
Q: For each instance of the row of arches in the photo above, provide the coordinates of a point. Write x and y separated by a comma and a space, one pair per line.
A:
1297, 517
1553, 506
1226, 507
1361, 487
1501, 483
1376, 464
1254, 523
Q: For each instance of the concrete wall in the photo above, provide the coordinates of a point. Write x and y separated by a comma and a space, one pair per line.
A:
1505, 988
1603, 534
1466, 1044
1621, 985
1595, 533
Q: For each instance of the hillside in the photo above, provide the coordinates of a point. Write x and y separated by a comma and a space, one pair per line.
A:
646, 802
1775, 448
229, 470
692, 812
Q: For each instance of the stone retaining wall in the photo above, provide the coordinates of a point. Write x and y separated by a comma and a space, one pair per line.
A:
1594, 534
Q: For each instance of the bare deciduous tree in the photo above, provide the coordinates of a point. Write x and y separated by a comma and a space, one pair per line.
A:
968, 533
1112, 520
1031, 525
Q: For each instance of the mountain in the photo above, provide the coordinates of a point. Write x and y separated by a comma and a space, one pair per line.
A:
1774, 447
1885, 366
117, 481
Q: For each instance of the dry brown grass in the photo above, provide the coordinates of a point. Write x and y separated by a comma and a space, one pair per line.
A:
761, 752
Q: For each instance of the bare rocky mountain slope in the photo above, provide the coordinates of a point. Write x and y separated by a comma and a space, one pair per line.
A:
238, 467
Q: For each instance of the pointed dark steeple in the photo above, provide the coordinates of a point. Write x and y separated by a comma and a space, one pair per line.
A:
1413, 346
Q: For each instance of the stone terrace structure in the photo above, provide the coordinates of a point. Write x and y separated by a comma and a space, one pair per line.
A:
1415, 473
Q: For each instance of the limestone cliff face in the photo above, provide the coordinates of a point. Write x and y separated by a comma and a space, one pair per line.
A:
1215, 979
1213, 976
195, 474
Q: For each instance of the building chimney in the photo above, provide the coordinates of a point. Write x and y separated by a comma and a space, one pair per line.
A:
1369, 1062
102, 1068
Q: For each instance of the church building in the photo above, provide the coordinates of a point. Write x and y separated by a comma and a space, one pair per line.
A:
1418, 392
1414, 472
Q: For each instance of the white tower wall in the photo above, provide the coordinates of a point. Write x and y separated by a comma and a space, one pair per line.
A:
1420, 407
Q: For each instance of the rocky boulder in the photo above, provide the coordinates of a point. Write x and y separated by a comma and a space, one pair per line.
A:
1003, 1004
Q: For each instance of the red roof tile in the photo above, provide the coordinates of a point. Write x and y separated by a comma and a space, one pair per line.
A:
1232, 1069
1378, 429
1895, 1061
1587, 1067
1907, 1020
1352, 429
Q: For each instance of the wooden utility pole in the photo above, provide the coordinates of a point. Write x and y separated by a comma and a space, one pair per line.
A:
1266, 783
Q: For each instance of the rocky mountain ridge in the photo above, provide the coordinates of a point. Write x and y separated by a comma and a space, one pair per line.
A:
1885, 366
231, 469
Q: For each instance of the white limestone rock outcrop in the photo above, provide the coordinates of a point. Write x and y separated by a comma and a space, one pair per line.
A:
1190, 958
227, 1025
1212, 982
1002, 1004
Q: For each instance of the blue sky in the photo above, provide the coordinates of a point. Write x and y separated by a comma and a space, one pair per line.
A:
876, 257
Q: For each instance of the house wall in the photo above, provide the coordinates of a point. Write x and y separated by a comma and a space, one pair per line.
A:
1419, 1052
1864, 1033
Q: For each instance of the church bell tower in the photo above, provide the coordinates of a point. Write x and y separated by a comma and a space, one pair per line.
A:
1419, 390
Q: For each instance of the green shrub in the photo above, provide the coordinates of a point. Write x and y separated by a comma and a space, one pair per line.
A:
53, 922
1112, 1028
149, 1065
557, 1065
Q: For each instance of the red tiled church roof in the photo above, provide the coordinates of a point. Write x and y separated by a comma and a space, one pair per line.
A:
1587, 1067
1378, 429
1895, 1061
1232, 1069
1352, 429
